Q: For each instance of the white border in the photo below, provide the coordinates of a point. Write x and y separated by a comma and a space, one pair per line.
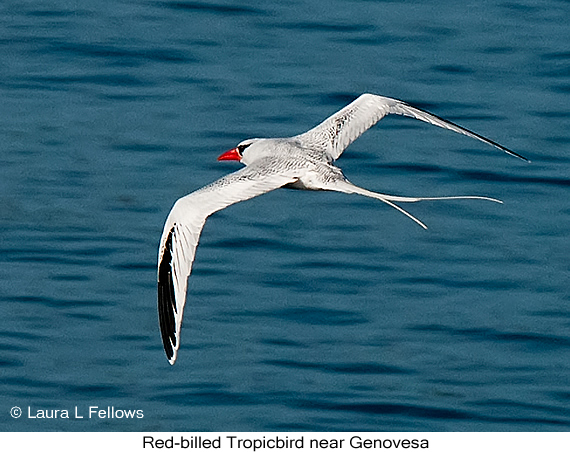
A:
385, 441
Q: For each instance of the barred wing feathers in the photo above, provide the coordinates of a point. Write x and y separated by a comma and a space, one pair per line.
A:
336, 133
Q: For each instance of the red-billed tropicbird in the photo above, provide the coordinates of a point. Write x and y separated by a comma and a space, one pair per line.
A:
304, 161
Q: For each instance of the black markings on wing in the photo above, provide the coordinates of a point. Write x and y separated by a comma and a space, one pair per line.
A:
337, 132
456, 128
338, 126
166, 299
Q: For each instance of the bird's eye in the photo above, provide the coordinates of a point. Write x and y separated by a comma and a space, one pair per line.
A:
241, 147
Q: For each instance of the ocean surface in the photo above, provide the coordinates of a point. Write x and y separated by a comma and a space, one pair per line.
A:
307, 311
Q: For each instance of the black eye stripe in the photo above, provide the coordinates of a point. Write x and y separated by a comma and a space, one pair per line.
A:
242, 147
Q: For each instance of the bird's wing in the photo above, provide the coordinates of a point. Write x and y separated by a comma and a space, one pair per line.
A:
182, 232
335, 133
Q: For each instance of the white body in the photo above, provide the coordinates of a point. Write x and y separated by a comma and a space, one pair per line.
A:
304, 161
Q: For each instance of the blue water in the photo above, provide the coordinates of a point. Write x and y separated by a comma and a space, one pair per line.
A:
308, 311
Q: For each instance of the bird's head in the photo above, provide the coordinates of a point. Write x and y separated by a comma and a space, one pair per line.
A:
245, 152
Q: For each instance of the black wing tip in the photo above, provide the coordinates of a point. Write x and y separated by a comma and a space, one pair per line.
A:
481, 137
167, 300
520, 157
508, 151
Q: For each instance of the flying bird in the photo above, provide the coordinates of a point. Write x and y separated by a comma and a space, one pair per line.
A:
304, 161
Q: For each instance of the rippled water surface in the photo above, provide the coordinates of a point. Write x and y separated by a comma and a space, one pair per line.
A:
307, 311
